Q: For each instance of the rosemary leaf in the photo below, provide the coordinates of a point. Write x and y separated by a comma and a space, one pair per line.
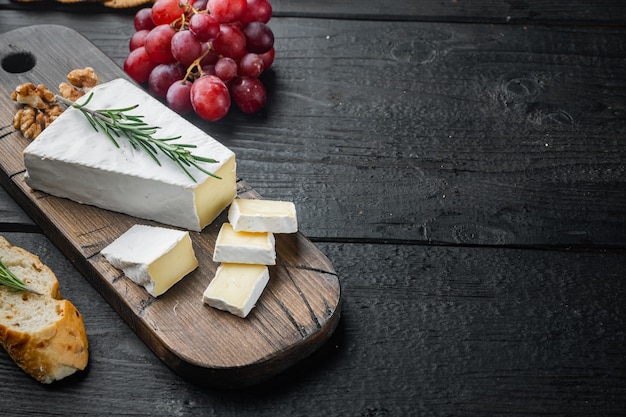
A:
119, 123
9, 279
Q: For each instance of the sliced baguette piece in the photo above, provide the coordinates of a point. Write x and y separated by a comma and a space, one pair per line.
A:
44, 334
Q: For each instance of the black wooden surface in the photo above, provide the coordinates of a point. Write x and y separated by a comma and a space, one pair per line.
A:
462, 166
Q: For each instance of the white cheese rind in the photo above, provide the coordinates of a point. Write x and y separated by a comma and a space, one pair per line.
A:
248, 215
244, 247
155, 258
236, 288
70, 159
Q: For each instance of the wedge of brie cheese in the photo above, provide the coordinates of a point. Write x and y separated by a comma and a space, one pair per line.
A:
247, 215
244, 247
70, 159
154, 257
236, 287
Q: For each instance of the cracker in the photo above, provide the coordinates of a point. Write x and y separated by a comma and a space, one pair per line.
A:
123, 4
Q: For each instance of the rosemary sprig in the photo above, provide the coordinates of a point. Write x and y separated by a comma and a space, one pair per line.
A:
9, 279
118, 123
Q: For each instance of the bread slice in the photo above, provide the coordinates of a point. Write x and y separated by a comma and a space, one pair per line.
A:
44, 334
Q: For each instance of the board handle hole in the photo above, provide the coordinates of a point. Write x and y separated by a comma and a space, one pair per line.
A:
18, 62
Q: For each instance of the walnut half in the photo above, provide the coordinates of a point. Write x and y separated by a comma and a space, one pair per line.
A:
70, 92
28, 121
83, 78
38, 111
38, 97
40, 106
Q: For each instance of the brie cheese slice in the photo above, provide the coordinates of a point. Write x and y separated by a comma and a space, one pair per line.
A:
250, 215
154, 257
236, 287
70, 159
244, 247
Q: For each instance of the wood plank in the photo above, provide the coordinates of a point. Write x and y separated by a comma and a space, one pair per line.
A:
463, 134
297, 312
485, 11
500, 135
425, 330
12, 217
602, 12
110, 32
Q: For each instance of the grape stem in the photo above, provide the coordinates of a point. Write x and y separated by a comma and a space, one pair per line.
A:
117, 123
196, 64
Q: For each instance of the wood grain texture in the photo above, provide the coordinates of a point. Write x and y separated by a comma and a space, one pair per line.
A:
425, 330
512, 11
500, 135
602, 12
459, 134
297, 312
12, 217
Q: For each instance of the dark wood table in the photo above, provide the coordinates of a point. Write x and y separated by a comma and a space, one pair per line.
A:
463, 166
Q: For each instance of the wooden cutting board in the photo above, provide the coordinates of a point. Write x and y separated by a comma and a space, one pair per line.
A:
295, 315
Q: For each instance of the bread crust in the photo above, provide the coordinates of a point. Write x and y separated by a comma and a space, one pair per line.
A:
50, 351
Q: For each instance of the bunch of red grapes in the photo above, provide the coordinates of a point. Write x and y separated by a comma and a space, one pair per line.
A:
201, 54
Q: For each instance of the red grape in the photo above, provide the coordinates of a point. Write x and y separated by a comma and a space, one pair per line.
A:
226, 69
158, 44
259, 37
199, 4
143, 19
204, 26
257, 11
138, 65
165, 12
210, 58
251, 65
248, 93
231, 42
185, 47
138, 39
178, 97
210, 98
268, 58
162, 76
201, 55
226, 11
208, 69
